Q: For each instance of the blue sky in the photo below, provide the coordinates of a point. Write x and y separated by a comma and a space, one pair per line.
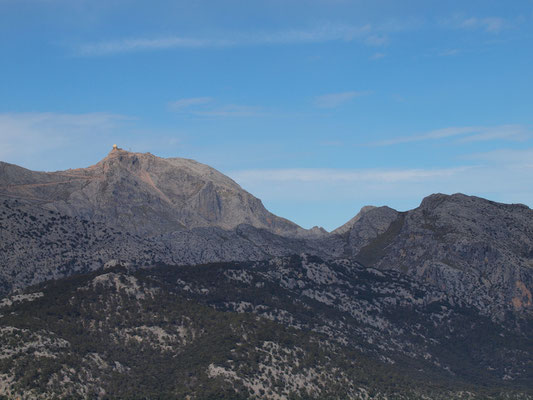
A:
317, 107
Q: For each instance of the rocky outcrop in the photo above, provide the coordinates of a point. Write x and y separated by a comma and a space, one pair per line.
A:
470, 247
38, 244
348, 225
144, 194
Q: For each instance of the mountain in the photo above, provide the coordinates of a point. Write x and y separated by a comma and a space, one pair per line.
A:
141, 209
470, 247
144, 194
289, 328
133, 208
349, 225
143, 277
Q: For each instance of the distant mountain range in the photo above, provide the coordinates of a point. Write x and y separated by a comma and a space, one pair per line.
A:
441, 293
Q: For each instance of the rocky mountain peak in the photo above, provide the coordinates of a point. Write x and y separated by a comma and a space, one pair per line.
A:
437, 199
477, 249
350, 224
143, 193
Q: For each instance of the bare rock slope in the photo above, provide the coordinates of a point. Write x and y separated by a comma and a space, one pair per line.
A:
467, 246
145, 194
135, 208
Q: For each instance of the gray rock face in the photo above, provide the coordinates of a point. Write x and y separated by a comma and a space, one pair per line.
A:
145, 194
348, 225
39, 244
467, 246
371, 224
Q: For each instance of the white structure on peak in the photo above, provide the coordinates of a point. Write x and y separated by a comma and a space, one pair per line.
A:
115, 147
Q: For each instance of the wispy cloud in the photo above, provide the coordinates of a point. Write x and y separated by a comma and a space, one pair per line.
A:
465, 134
344, 176
449, 52
189, 102
376, 40
489, 24
377, 56
232, 110
504, 132
209, 107
143, 44
492, 25
24, 135
325, 33
332, 100
522, 157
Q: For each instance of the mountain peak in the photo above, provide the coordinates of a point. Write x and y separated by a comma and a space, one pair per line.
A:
437, 200
348, 225
143, 193
117, 152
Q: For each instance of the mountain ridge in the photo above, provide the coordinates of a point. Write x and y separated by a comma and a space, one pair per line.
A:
171, 193
179, 211
169, 258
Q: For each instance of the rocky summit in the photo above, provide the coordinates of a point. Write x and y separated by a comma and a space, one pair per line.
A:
144, 277
145, 194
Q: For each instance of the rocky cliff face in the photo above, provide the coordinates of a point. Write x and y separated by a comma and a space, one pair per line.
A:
135, 208
467, 246
38, 244
145, 194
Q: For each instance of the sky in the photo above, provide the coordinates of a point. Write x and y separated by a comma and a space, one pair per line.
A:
317, 107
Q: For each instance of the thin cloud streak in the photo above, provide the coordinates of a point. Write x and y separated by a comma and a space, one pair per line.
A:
344, 176
449, 53
207, 107
514, 157
325, 33
492, 25
27, 134
231, 110
378, 56
465, 133
509, 132
189, 102
143, 44
489, 24
333, 100
367, 34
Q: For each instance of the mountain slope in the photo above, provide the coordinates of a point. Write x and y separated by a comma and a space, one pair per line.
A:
432, 303
293, 327
348, 225
470, 247
144, 194
38, 244
142, 209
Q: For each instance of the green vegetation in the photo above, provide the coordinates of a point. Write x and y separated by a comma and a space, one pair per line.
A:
114, 334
